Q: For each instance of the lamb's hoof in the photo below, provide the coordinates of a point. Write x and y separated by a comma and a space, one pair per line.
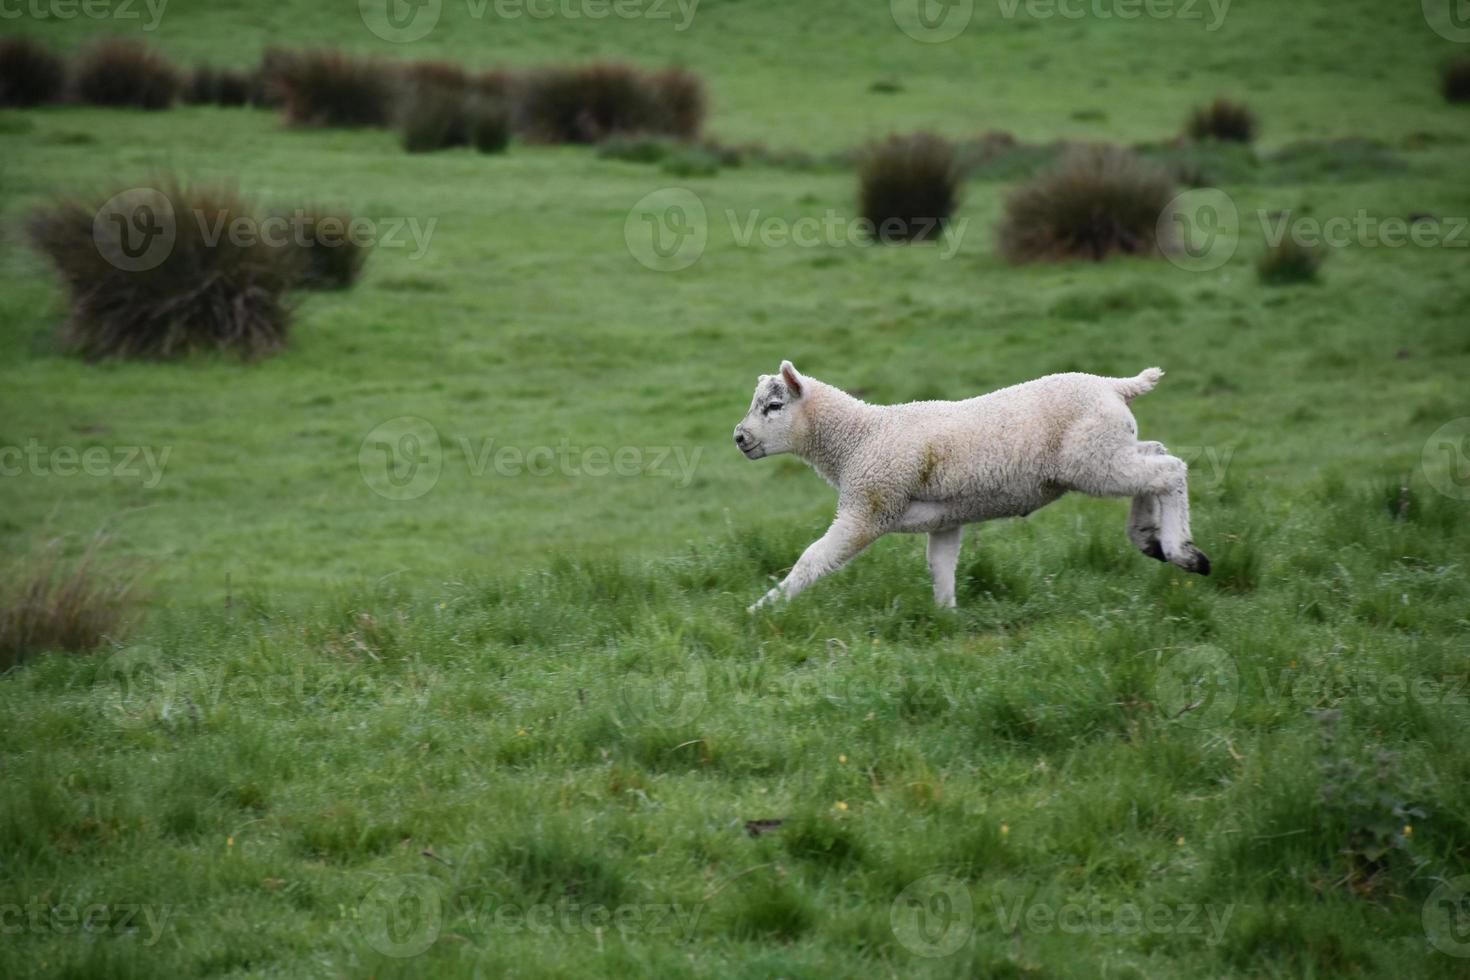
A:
1194, 560
1154, 550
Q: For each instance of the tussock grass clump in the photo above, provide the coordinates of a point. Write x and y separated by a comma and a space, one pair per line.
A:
266, 88
489, 126
328, 256
909, 187
208, 85
231, 87
333, 88
1289, 261
1454, 79
440, 74
444, 108
434, 118
497, 83
681, 102
30, 73
158, 272
1098, 200
54, 604
585, 104
589, 103
1224, 120
201, 86
119, 72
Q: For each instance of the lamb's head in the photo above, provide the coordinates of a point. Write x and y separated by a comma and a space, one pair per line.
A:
770, 426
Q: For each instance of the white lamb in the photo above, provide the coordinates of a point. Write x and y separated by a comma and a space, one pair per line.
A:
933, 467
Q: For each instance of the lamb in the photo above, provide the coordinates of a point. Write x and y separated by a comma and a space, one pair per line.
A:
932, 467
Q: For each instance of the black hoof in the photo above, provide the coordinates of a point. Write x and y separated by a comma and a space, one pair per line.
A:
1195, 560
1154, 550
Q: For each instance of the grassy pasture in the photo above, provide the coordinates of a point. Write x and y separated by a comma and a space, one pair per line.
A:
516, 725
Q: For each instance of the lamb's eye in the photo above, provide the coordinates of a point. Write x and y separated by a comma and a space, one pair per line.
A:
773, 407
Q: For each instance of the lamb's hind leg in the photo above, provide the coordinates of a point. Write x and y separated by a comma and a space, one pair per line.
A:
1147, 512
1163, 478
944, 554
1174, 534
1143, 524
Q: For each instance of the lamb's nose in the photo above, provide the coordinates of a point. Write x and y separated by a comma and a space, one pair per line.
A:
741, 438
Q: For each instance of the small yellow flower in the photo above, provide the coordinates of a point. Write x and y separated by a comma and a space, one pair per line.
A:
1408, 830
521, 732
229, 842
841, 804
1179, 841
441, 605
1005, 828
842, 759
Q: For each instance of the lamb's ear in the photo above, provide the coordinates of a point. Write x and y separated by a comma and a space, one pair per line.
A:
791, 377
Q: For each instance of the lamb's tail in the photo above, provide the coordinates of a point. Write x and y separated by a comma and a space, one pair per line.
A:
1131, 388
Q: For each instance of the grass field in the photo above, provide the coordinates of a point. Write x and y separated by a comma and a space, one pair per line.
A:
510, 718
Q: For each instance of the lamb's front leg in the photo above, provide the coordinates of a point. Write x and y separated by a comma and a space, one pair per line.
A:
944, 554
844, 539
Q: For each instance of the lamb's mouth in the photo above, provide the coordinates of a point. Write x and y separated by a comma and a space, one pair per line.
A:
754, 452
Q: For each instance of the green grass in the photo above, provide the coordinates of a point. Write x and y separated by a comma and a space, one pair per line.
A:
518, 692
